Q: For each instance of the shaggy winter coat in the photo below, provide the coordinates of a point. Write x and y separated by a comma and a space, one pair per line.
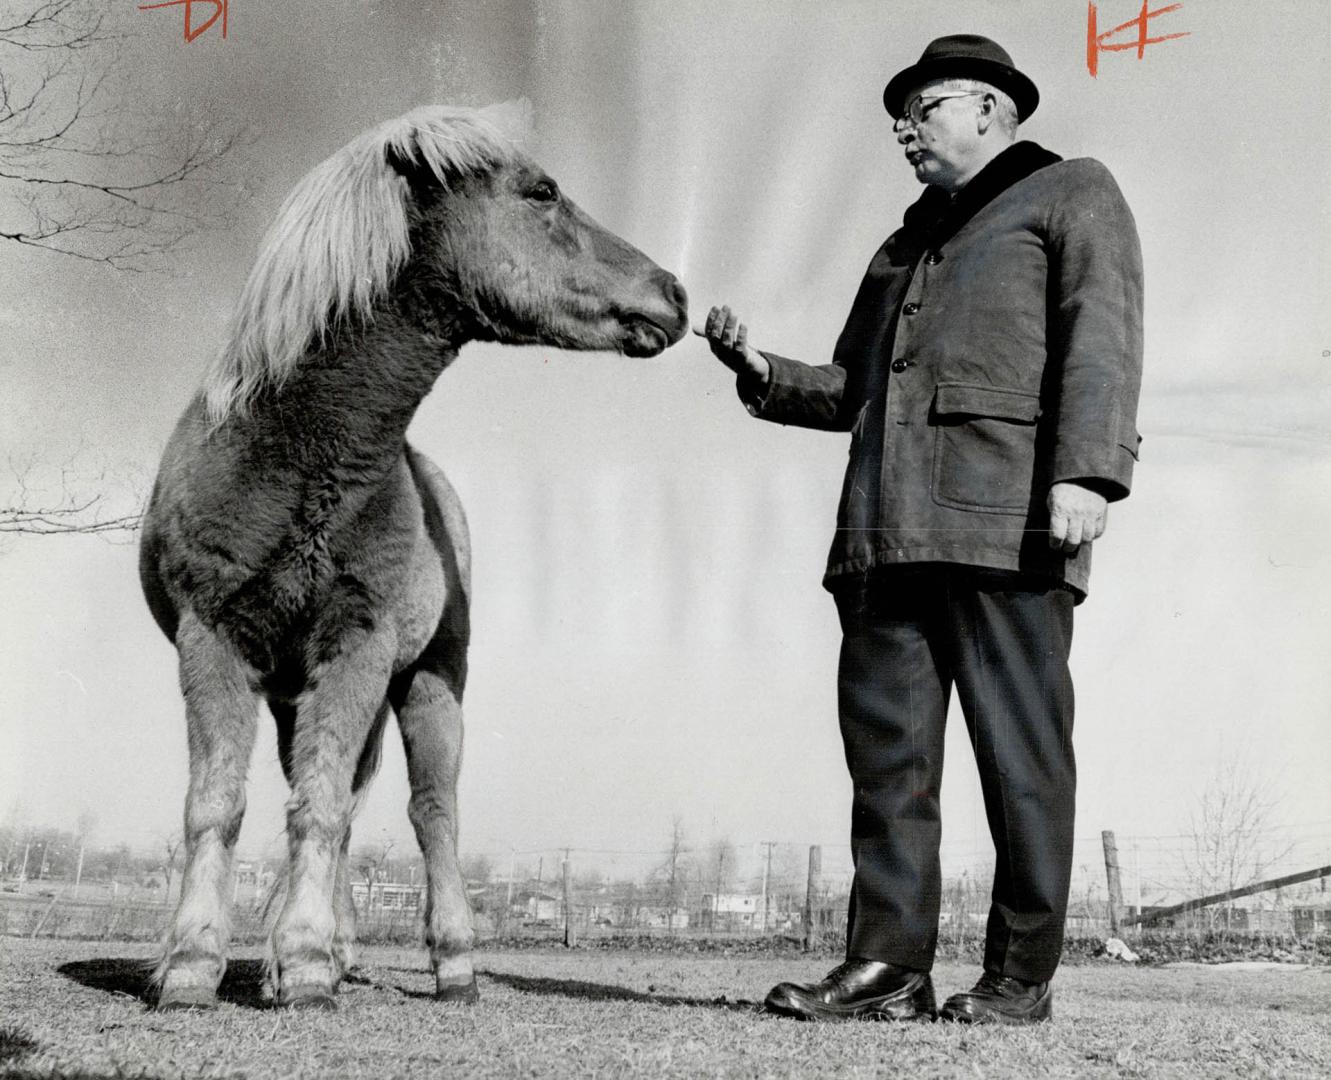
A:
994, 349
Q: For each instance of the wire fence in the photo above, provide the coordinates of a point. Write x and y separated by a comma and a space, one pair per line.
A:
720, 891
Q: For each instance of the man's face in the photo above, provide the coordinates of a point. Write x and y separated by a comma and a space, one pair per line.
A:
940, 147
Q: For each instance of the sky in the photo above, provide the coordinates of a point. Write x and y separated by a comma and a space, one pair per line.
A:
651, 640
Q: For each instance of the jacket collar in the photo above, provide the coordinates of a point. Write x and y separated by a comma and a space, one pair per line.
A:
935, 217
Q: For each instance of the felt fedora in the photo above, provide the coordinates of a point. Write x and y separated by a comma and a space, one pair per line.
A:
963, 56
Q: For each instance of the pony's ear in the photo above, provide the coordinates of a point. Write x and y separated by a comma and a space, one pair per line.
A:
409, 162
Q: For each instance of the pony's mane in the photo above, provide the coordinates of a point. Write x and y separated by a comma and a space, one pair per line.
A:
338, 240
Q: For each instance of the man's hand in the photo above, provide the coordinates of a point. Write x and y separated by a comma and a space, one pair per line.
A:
728, 340
1077, 516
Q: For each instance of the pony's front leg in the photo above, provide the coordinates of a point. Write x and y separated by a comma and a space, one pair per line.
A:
344, 906
221, 711
344, 910
333, 721
429, 709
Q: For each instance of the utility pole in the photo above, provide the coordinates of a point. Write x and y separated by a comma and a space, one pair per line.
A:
1137, 872
767, 874
23, 870
570, 931
671, 896
1113, 878
815, 868
720, 872
508, 900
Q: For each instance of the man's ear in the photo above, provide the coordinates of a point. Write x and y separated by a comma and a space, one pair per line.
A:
987, 115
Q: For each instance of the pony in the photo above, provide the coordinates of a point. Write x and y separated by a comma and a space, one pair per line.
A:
297, 550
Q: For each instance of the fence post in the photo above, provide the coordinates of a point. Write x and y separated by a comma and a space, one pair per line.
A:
508, 896
815, 868
570, 931
55, 899
1112, 875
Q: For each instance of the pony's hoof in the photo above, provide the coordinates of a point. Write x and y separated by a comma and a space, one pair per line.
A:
307, 997
462, 993
186, 999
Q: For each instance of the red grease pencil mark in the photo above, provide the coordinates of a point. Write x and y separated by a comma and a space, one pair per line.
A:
191, 31
1097, 42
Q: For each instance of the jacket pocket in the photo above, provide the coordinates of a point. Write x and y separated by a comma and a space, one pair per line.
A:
984, 447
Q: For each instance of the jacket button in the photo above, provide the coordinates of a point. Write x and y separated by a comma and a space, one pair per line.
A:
910, 309
899, 365
933, 258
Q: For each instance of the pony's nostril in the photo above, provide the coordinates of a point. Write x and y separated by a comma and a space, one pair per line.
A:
676, 294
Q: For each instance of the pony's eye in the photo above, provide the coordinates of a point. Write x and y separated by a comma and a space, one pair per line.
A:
543, 191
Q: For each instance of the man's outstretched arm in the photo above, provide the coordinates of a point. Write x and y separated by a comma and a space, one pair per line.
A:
728, 339
774, 387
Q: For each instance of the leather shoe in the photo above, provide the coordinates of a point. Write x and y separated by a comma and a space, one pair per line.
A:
1001, 999
858, 990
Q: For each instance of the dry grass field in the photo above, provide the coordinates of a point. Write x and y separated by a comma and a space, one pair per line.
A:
77, 1009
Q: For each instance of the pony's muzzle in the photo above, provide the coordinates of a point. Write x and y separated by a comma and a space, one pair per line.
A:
652, 329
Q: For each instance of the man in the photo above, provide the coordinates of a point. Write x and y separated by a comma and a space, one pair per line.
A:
988, 373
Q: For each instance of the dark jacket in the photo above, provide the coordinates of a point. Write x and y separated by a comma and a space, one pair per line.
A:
994, 348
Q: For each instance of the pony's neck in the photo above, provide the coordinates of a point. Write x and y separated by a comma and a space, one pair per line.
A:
348, 405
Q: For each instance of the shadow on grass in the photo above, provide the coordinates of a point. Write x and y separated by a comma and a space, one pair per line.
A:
590, 991
241, 985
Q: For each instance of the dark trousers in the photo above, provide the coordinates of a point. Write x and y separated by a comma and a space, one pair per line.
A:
909, 634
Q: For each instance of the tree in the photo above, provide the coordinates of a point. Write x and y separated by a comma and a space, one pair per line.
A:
73, 495
476, 869
13, 833
628, 903
785, 868
721, 865
80, 175
722, 862
84, 177
672, 872
123, 858
171, 846
65, 500
87, 825
53, 853
370, 860
1232, 845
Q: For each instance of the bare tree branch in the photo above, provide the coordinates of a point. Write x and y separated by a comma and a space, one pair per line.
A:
80, 177
1232, 841
61, 506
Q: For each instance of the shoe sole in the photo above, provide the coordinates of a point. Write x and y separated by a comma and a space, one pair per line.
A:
968, 1013
873, 1009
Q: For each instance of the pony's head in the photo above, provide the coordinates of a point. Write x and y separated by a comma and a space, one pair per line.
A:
440, 213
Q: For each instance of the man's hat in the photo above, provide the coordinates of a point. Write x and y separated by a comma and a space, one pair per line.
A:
964, 56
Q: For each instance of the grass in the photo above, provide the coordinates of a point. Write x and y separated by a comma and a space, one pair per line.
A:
76, 1009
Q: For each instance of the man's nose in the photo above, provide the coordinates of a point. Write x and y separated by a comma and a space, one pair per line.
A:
905, 131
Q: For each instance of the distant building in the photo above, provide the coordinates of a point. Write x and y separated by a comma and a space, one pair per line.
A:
656, 917
258, 876
731, 911
1265, 920
1309, 921
544, 908
388, 896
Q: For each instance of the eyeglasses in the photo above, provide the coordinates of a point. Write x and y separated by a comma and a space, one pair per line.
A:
920, 107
